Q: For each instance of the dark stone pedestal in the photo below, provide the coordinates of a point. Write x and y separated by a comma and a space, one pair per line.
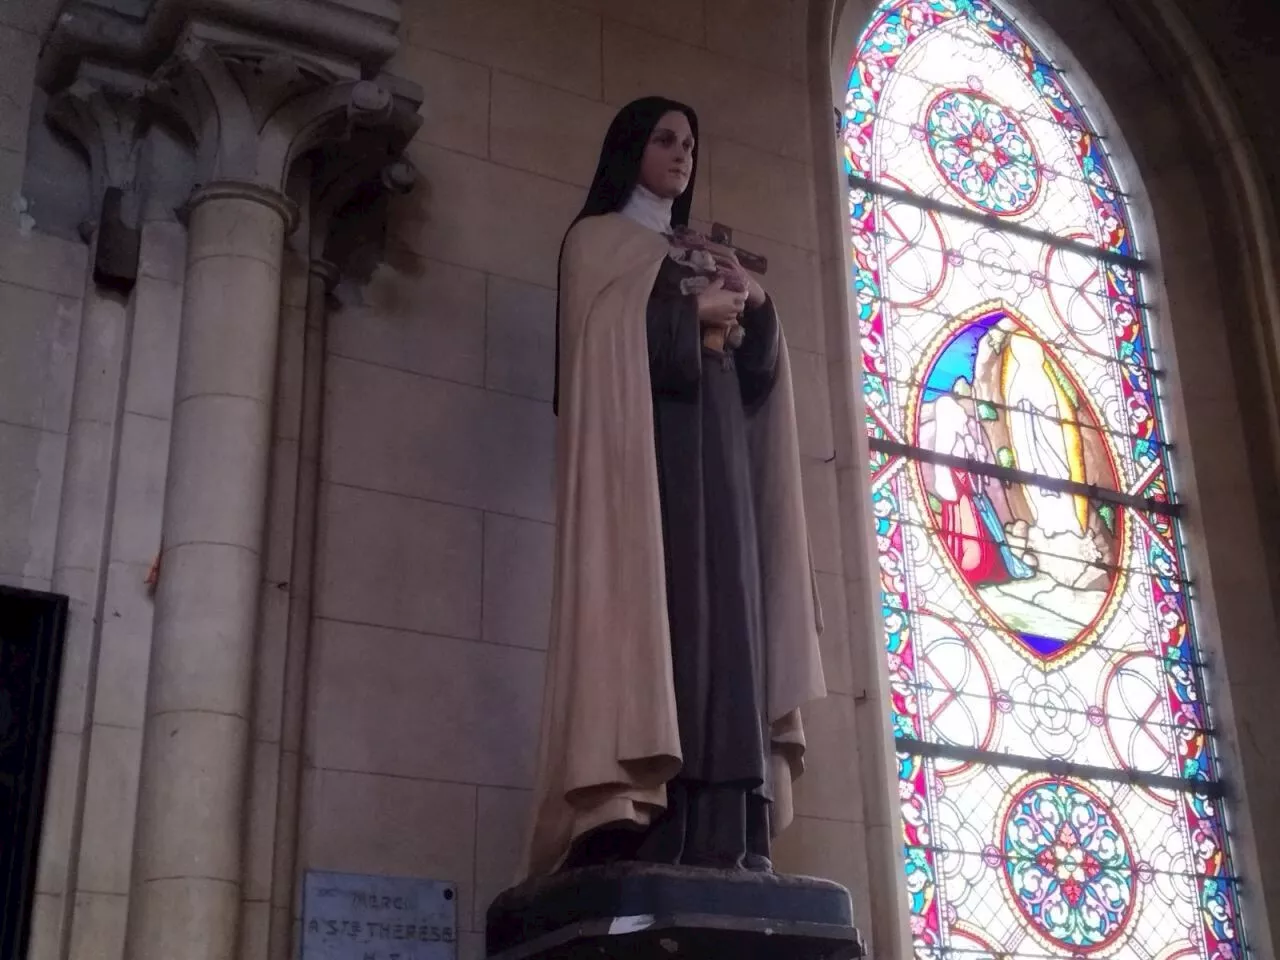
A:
645, 912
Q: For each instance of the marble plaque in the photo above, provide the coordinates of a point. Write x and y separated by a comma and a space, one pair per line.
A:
349, 916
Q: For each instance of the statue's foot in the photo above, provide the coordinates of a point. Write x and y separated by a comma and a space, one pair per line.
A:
608, 843
711, 861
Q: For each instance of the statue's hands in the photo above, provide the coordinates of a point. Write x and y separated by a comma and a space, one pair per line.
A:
719, 308
718, 312
755, 292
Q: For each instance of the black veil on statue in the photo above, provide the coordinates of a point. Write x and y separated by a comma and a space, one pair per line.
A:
618, 172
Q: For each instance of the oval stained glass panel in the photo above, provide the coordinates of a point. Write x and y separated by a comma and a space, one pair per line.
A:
1043, 562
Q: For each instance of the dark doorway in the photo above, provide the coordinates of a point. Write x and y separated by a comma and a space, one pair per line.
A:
31, 632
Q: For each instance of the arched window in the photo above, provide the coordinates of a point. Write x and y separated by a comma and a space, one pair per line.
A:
1060, 792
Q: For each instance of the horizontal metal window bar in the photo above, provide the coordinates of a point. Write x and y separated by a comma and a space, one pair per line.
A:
1170, 730
1066, 346
1038, 112
1109, 569
1071, 174
1098, 299
858, 182
1013, 475
941, 849
1117, 436
980, 626
1060, 768
1143, 653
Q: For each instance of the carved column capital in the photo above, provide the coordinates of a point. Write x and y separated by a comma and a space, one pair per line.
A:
104, 110
253, 106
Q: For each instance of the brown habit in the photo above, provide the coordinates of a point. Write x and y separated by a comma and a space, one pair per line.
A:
610, 738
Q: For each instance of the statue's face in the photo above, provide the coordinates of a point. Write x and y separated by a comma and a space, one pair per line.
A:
667, 163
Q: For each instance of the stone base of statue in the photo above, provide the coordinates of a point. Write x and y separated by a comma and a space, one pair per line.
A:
637, 911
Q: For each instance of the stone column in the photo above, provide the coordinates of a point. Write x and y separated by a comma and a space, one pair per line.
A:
252, 110
102, 111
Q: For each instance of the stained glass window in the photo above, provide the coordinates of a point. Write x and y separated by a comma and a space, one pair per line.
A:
1060, 794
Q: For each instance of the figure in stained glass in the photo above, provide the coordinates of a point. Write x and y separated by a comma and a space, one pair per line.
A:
1040, 558
972, 527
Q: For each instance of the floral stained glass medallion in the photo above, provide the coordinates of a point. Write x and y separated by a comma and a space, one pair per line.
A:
1060, 792
983, 153
1069, 867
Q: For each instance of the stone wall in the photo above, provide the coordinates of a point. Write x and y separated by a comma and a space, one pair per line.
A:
41, 282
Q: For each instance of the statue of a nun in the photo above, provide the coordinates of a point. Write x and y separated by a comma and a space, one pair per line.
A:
685, 622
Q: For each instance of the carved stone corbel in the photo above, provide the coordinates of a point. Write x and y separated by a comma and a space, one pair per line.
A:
352, 181
104, 110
